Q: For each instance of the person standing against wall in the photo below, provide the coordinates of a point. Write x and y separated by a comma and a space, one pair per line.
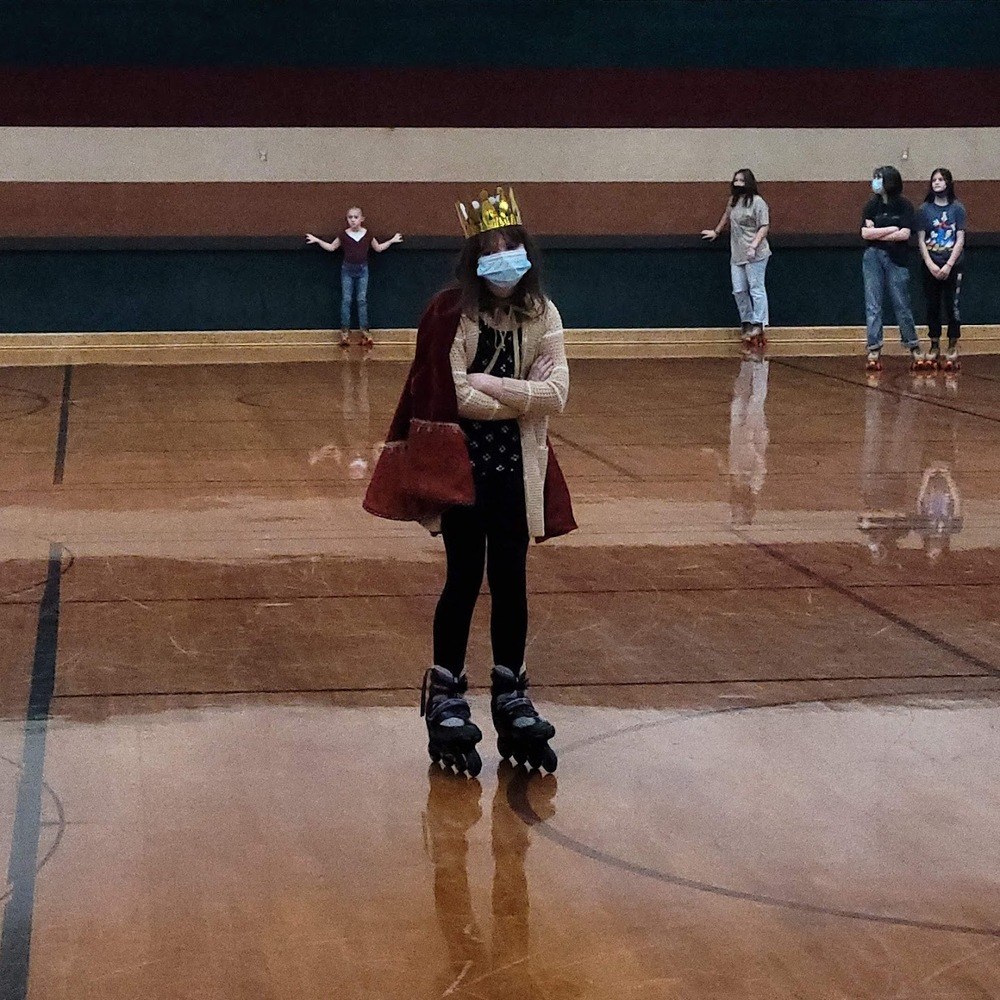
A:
748, 218
941, 238
886, 224
356, 241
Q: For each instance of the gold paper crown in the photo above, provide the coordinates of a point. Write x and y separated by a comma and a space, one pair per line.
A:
490, 212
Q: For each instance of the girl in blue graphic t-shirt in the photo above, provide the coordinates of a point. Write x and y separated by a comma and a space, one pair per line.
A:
941, 229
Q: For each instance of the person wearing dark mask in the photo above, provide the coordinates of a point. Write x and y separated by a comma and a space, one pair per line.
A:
746, 213
467, 455
941, 238
886, 224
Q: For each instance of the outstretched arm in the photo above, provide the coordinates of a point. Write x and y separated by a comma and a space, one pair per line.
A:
329, 247
711, 234
379, 247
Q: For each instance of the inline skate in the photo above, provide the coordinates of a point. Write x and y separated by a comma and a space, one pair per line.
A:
451, 734
522, 734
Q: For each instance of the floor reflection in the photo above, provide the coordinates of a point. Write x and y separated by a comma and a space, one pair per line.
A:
353, 452
748, 438
908, 483
501, 966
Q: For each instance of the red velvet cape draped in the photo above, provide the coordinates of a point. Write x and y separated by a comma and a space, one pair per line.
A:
425, 468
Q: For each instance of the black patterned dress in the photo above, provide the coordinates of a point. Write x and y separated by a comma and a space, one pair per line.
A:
494, 445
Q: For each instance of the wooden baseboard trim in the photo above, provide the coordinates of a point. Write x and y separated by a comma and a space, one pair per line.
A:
261, 346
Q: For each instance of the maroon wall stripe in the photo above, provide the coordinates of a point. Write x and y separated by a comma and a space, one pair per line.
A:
428, 98
426, 209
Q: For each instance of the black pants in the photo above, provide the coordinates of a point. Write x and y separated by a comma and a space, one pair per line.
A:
945, 293
492, 534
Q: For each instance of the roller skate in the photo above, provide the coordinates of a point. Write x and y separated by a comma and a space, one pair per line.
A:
366, 340
951, 362
758, 338
451, 734
874, 362
930, 361
522, 734
916, 360
345, 337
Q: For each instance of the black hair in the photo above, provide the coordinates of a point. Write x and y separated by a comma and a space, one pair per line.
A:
949, 191
527, 299
892, 181
750, 187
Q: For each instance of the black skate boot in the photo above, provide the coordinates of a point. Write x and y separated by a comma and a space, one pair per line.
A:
521, 732
451, 734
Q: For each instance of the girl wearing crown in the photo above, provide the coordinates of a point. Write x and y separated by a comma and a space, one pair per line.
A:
468, 456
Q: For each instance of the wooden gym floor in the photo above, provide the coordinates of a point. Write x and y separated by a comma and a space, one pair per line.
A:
771, 652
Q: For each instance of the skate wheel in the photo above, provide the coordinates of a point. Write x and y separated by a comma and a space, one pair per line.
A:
473, 763
543, 758
520, 754
505, 747
433, 753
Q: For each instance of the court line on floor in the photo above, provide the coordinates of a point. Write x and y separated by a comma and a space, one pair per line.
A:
888, 390
22, 870
63, 436
421, 595
59, 824
869, 605
540, 686
519, 802
561, 438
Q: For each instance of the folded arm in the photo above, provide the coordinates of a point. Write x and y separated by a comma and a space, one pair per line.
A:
538, 395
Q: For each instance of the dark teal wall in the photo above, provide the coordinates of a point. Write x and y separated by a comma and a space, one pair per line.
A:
98, 290
541, 33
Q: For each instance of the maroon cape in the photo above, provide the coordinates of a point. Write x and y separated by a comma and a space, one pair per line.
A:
425, 468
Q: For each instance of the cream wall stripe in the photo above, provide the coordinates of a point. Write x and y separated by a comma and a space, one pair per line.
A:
462, 155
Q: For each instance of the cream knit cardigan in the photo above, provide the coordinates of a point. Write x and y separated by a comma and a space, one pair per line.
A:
530, 403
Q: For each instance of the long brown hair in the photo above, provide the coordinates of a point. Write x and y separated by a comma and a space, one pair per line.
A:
527, 300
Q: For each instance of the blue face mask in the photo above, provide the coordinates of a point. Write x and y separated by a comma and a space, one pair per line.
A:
504, 269
877, 185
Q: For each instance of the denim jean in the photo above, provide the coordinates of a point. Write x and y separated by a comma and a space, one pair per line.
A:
353, 285
749, 291
879, 273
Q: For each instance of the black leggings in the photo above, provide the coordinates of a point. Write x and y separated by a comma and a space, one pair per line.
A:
946, 292
492, 534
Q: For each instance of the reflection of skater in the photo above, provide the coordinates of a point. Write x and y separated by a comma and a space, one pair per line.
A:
748, 218
356, 242
467, 454
939, 503
352, 448
499, 969
940, 508
889, 460
941, 225
886, 224
907, 477
748, 439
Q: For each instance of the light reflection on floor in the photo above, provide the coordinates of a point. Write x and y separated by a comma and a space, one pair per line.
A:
771, 653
